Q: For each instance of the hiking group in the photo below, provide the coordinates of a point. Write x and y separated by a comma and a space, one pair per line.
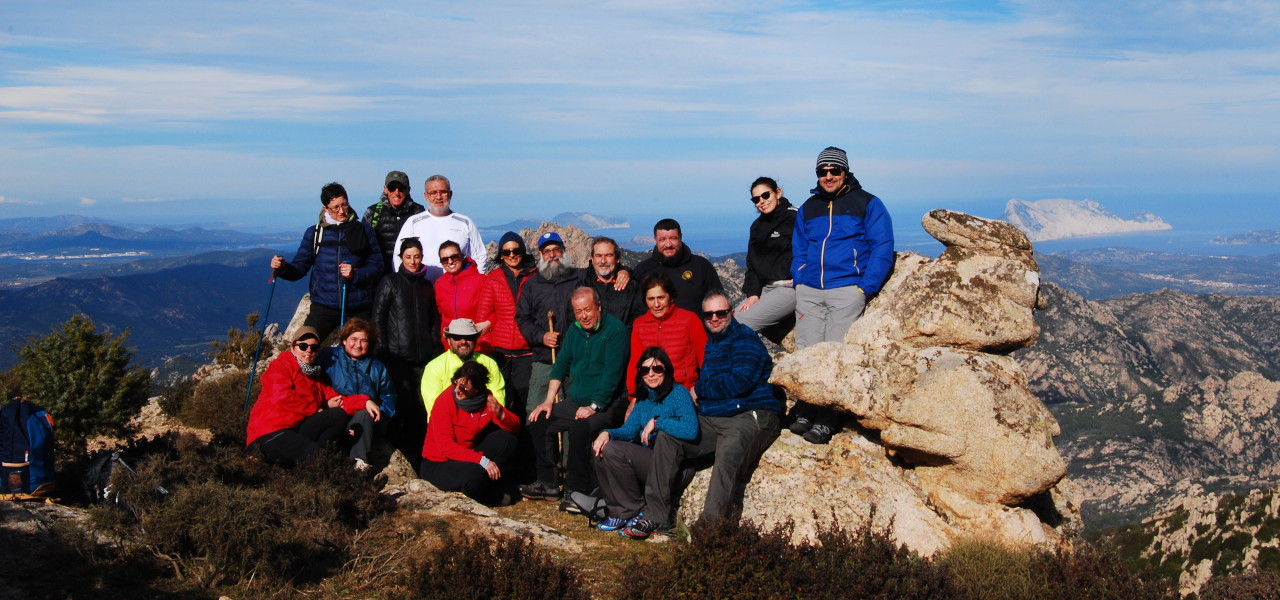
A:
604, 387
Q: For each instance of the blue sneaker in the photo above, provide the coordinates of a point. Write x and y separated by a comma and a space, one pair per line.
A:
631, 523
612, 524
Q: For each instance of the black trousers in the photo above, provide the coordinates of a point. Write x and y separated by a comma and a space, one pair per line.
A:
327, 320
470, 478
737, 443
408, 429
293, 446
623, 468
580, 476
516, 370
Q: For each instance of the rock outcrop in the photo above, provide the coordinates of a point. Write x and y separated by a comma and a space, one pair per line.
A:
951, 440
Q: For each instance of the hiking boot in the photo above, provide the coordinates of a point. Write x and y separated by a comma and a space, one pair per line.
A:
645, 528
540, 491
818, 434
801, 425
612, 524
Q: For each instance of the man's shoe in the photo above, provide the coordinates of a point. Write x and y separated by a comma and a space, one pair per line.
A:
818, 434
631, 523
612, 524
645, 528
801, 425
540, 491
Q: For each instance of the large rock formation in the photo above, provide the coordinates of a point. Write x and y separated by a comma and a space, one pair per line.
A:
951, 441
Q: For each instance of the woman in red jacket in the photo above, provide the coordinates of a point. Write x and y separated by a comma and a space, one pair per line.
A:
470, 438
297, 412
498, 307
669, 327
458, 292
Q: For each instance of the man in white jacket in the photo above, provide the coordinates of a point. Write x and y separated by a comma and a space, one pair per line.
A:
438, 225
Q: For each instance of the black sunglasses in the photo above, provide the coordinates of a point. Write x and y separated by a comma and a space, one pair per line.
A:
716, 314
450, 258
657, 370
395, 186
764, 196
824, 171
303, 346
516, 252
469, 338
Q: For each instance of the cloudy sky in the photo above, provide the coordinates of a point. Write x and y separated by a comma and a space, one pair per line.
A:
240, 111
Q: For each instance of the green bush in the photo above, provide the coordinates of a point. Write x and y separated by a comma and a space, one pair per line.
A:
240, 345
217, 404
84, 380
174, 397
482, 567
1255, 585
990, 570
732, 561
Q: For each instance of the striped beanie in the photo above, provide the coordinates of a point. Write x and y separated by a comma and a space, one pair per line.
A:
833, 157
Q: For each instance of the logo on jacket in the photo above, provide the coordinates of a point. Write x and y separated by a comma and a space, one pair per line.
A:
775, 234
687, 275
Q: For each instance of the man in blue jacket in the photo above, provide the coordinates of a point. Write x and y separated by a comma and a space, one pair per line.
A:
842, 252
739, 417
342, 254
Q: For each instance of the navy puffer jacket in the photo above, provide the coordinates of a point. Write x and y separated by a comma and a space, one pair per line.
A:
321, 255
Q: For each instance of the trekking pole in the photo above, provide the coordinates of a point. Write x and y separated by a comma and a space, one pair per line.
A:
342, 313
254, 370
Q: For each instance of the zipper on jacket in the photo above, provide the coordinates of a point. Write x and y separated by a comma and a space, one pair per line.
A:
822, 261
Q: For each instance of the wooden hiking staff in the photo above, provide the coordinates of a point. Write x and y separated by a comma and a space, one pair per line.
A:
551, 326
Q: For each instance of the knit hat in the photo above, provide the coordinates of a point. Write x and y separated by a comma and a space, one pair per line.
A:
512, 236
833, 157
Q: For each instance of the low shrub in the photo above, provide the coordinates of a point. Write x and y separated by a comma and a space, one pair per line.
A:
480, 567
742, 561
990, 570
1254, 585
1094, 572
238, 349
175, 396
217, 404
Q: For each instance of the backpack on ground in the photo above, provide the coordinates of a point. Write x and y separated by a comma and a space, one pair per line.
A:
26, 449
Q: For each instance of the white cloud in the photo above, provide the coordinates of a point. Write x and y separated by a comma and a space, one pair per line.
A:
87, 201
5, 200
146, 200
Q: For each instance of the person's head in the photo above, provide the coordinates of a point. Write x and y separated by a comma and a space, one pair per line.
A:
716, 314
659, 293
470, 380
586, 307
396, 187
666, 237
511, 250
438, 195
334, 199
411, 254
765, 194
451, 258
359, 337
551, 257
306, 344
833, 169
462, 336
654, 373
604, 257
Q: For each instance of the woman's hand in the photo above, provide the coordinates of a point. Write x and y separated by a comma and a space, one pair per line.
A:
495, 408
748, 303
630, 407
598, 446
373, 409
648, 430
693, 395
346, 270
492, 470
484, 326
276, 262
335, 402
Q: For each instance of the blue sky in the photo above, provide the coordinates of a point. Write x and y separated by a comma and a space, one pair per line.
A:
240, 111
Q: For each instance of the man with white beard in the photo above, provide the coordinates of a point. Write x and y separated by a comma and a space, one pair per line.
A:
543, 312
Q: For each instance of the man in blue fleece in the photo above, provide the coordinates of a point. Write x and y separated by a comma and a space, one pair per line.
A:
841, 253
739, 416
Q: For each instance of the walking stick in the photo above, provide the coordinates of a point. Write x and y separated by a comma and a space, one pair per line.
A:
551, 326
254, 370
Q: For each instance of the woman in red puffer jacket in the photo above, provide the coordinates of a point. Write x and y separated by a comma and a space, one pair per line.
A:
458, 293
669, 327
498, 307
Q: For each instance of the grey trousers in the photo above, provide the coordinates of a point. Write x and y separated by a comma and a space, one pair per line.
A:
737, 442
777, 302
622, 469
825, 315
362, 424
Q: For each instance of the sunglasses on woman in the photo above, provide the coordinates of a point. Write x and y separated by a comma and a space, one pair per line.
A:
305, 347
764, 196
656, 369
511, 252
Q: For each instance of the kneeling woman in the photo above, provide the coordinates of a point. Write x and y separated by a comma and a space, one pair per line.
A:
624, 455
469, 438
297, 413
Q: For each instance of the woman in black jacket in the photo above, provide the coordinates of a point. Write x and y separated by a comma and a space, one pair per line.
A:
770, 306
404, 310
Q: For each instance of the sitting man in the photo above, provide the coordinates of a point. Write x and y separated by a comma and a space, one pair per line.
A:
739, 416
470, 438
594, 355
462, 336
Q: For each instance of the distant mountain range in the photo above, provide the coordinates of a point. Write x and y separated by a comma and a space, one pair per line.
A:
1101, 273
101, 238
1257, 236
581, 220
1045, 220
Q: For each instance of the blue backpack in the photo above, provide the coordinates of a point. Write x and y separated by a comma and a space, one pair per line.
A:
26, 449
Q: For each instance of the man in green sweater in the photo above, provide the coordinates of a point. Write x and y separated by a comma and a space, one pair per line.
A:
594, 355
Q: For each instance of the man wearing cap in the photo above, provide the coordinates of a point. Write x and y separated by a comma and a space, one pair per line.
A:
693, 275
543, 313
389, 214
437, 376
440, 224
842, 252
